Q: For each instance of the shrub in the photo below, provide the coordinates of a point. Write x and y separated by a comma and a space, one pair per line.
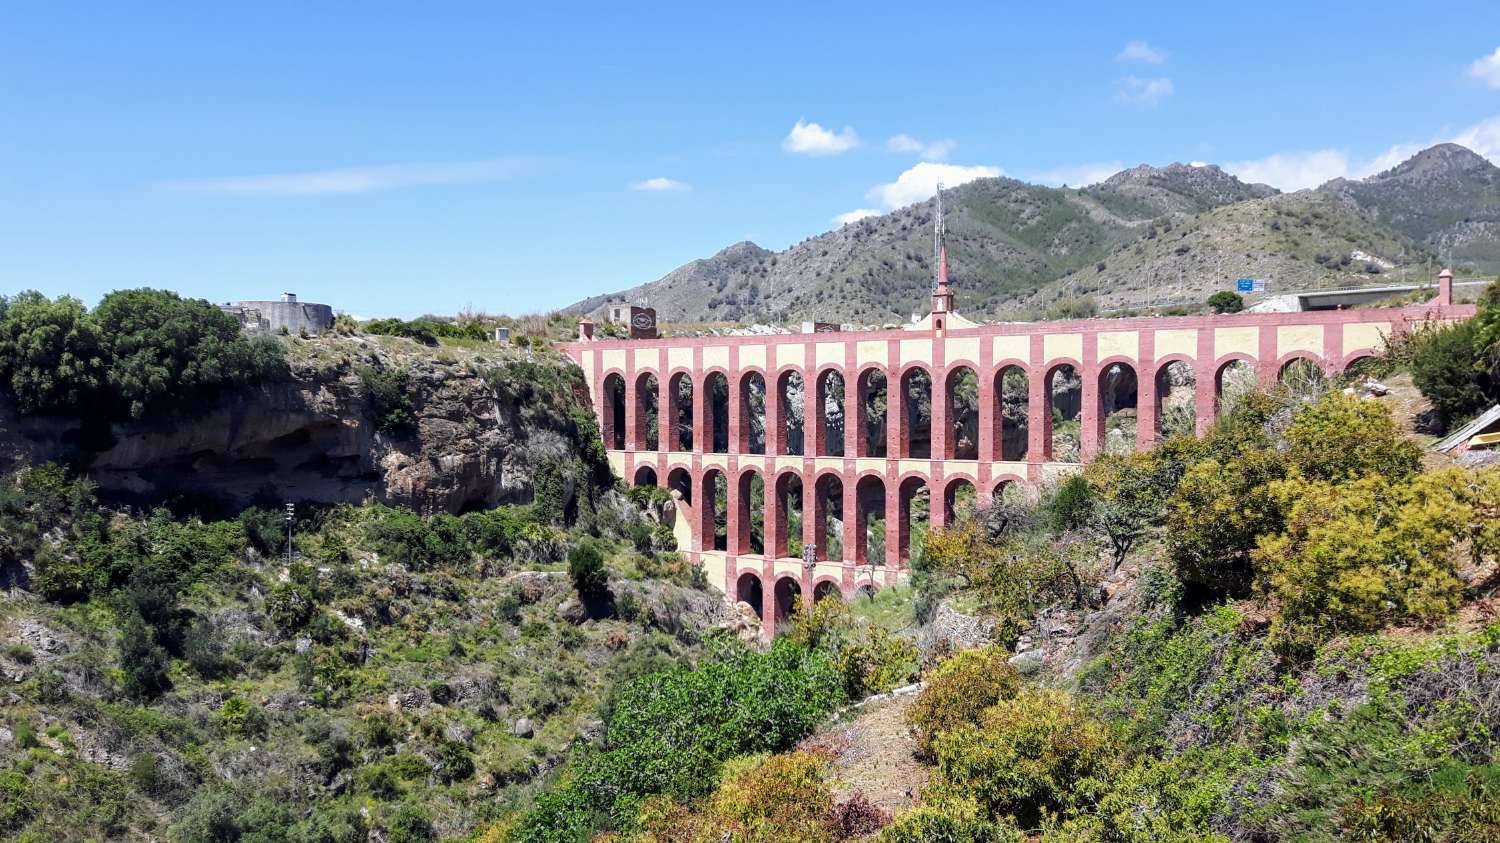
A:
409, 825
1342, 437
240, 718
1025, 759
1226, 301
1358, 555
455, 762
586, 569
1445, 367
950, 820
290, 606
17, 805
388, 393
1217, 512
958, 690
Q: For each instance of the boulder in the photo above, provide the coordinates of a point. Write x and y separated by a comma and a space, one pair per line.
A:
523, 728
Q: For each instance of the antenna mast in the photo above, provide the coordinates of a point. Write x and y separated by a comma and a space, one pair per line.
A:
939, 258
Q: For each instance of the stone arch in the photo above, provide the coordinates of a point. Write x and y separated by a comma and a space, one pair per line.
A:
716, 412
1012, 397
1063, 413
1119, 397
752, 398
644, 476
680, 411
787, 590
750, 509
874, 408
791, 406
1008, 487
916, 514
959, 498
748, 589
1233, 379
1302, 374
829, 434
869, 521
916, 407
614, 411
713, 509
825, 588
961, 397
1176, 383
647, 413
680, 480
828, 515
786, 538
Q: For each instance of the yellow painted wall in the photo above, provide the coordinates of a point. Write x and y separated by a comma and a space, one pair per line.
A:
680, 357
712, 562
586, 360
1177, 341
870, 351
1005, 348
1062, 345
790, 354
1119, 343
1291, 338
916, 351
1244, 340
830, 353
752, 355
613, 358
1365, 335
717, 355
646, 358
963, 348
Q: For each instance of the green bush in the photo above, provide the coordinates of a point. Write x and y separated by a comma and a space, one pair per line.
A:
388, 392
1226, 301
948, 821
409, 825
17, 805
1025, 760
1342, 437
958, 691
240, 718
586, 569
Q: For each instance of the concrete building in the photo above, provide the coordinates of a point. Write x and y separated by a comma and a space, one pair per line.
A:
286, 315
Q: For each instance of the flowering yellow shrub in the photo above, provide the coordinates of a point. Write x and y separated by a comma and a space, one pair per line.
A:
958, 690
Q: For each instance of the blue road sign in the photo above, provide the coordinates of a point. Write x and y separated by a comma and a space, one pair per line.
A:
1245, 285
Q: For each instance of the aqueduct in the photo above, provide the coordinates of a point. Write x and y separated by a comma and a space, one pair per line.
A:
803, 460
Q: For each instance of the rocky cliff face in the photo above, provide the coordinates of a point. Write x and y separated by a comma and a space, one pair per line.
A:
479, 439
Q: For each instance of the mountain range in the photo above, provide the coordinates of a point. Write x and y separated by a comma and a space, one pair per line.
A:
1146, 235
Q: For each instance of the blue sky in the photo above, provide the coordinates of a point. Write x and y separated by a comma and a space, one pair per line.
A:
516, 158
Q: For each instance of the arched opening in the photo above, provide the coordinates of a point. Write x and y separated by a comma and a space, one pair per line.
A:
1302, 377
830, 433
959, 501
791, 400
680, 414
1176, 400
752, 512
787, 592
614, 411
645, 476
753, 413
1013, 393
647, 421
1232, 382
865, 592
718, 413
962, 390
787, 541
679, 480
715, 505
916, 509
1360, 369
869, 524
828, 509
916, 403
1008, 491
825, 590
747, 589
1119, 395
873, 401
1064, 410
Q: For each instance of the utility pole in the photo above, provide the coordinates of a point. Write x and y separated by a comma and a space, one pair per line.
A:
291, 511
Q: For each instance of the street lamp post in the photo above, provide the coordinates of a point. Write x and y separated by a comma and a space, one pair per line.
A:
291, 511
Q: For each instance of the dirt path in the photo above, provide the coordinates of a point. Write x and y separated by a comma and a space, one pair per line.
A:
873, 756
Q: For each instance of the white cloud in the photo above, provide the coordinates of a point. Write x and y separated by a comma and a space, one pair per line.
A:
1487, 69
811, 139
1078, 175
363, 179
1293, 170
921, 181
928, 150
855, 215
1145, 93
1297, 170
660, 184
1141, 51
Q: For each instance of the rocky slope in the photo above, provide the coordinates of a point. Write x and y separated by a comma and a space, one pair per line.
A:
485, 422
1016, 248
